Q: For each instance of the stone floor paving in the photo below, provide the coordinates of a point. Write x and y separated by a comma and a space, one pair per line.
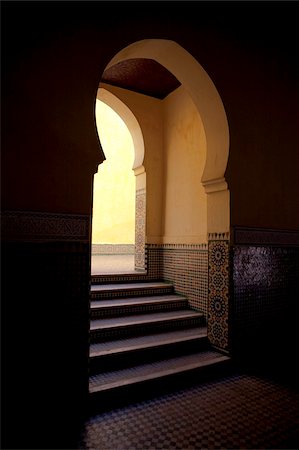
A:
236, 412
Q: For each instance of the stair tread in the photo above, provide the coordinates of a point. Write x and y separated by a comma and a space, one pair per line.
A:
129, 286
99, 324
143, 342
95, 304
158, 369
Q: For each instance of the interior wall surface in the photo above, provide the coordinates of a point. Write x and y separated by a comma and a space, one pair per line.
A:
263, 160
53, 56
185, 203
257, 85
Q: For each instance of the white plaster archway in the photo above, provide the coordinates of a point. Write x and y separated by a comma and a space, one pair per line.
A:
210, 107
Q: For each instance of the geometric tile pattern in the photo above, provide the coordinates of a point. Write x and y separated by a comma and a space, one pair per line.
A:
113, 249
37, 226
265, 294
186, 266
264, 236
140, 217
237, 411
218, 303
154, 261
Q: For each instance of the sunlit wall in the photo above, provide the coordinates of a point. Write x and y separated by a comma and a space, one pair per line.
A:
114, 183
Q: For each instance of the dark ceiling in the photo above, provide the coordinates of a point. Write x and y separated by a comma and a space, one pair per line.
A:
141, 75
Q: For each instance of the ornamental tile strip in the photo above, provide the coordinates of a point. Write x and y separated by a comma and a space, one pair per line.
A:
36, 226
264, 236
140, 262
202, 246
218, 302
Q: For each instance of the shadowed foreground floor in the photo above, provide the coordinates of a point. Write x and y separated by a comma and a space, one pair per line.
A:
238, 411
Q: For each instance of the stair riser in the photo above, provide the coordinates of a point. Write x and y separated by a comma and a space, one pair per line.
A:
116, 311
130, 293
114, 279
142, 356
139, 330
123, 395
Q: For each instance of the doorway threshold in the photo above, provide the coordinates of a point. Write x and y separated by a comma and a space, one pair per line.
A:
112, 264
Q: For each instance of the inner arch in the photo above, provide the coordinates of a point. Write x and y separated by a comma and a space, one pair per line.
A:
134, 128
130, 120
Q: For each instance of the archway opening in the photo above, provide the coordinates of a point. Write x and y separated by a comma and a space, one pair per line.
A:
164, 127
113, 231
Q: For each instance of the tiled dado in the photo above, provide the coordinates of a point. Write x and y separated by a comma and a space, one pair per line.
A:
219, 295
201, 272
265, 288
46, 270
45, 297
186, 266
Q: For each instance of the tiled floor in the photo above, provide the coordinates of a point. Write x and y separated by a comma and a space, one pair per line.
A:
240, 411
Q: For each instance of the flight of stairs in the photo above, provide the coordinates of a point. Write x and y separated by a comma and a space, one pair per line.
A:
144, 338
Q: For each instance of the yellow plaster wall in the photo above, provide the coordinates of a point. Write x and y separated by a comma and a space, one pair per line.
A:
114, 183
185, 201
175, 152
148, 112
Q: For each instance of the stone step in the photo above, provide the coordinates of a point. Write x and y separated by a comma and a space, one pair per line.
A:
122, 290
163, 371
119, 327
141, 349
136, 305
119, 278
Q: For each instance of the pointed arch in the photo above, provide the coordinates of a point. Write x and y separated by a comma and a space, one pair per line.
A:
210, 107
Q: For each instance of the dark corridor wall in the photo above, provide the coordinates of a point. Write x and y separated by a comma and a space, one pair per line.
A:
53, 58
53, 55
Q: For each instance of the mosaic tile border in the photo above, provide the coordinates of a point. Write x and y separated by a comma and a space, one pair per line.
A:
140, 219
36, 226
225, 236
264, 236
113, 249
203, 246
218, 297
